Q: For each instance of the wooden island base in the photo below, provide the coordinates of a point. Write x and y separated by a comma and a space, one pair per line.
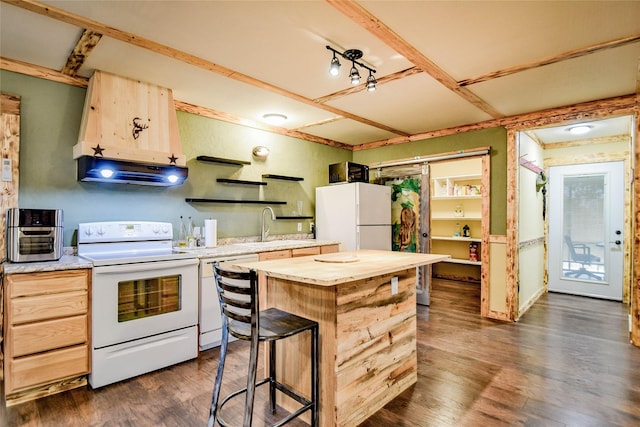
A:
367, 328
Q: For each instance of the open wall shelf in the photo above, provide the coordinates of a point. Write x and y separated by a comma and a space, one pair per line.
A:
222, 160
294, 217
255, 202
240, 181
282, 177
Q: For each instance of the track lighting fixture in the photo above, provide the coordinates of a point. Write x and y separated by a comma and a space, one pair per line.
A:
352, 55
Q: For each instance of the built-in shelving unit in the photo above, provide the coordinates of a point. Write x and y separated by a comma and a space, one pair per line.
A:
222, 160
456, 203
255, 202
282, 177
240, 181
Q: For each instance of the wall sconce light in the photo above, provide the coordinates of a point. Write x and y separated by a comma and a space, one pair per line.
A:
352, 55
260, 152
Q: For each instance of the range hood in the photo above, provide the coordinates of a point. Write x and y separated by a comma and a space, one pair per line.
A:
129, 134
99, 169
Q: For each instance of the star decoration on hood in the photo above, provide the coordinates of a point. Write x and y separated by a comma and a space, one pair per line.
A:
172, 159
97, 151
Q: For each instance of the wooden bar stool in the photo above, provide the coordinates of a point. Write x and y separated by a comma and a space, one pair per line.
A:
242, 318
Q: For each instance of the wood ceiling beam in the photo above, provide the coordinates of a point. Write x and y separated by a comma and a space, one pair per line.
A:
382, 80
214, 114
41, 72
576, 53
124, 36
369, 22
591, 110
81, 51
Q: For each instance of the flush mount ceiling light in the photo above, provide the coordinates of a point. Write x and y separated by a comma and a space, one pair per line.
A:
579, 129
352, 55
260, 152
274, 118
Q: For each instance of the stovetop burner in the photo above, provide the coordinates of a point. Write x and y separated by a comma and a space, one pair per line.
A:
127, 242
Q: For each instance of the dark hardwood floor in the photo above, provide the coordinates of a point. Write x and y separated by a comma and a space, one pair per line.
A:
567, 362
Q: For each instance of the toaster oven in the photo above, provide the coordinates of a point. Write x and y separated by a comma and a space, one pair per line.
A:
34, 234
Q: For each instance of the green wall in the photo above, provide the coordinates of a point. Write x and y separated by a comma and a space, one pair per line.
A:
496, 138
50, 121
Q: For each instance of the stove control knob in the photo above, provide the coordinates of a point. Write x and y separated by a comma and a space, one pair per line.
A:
165, 229
88, 231
155, 228
101, 231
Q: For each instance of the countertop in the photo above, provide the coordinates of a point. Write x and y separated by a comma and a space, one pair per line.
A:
342, 267
72, 262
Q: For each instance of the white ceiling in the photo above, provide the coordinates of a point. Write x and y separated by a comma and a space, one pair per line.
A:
279, 49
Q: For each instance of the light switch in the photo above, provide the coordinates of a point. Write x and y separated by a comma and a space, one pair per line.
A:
394, 285
6, 170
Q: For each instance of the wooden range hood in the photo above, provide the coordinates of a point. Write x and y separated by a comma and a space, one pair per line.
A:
131, 121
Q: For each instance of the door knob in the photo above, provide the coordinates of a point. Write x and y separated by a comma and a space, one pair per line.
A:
617, 242
618, 232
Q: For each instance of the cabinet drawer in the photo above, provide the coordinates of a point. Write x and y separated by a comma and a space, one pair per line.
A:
43, 307
49, 335
329, 249
286, 253
46, 367
20, 285
305, 251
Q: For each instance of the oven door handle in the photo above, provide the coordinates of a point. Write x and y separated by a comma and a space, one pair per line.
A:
144, 266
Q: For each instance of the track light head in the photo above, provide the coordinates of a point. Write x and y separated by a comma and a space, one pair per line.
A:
334, 68
354, 75
371, 82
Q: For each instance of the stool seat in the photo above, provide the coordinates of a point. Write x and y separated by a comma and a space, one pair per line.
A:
241, 317
275, 324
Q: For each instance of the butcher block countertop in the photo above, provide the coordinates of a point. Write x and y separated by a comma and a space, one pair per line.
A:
342, 267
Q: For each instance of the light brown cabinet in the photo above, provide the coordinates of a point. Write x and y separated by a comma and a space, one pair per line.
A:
47, 333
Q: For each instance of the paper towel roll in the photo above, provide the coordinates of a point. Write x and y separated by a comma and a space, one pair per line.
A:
210, 233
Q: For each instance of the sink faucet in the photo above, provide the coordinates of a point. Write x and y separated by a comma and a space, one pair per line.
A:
264, 231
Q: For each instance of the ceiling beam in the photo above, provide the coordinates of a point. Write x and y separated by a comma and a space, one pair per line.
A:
218, 115
41, 72
81, 51
133, 39
592, 110
576, 53
369, 22
382, 80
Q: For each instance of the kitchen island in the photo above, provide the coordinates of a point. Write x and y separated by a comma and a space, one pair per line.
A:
365, 304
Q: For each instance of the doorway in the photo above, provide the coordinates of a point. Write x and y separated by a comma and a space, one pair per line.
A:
586, 229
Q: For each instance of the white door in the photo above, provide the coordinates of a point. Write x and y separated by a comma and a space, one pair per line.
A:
586, 217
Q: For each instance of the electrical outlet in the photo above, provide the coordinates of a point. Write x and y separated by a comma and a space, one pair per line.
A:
299, 226
394, 285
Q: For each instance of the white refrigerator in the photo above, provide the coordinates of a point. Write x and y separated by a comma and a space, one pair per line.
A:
356, 214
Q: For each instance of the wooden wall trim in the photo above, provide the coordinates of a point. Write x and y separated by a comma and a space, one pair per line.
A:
512, 225
635, 284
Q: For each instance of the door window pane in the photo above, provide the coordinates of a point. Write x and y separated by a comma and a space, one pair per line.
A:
584, 228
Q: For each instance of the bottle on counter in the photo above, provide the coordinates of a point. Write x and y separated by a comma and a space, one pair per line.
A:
182, 234
191, 241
